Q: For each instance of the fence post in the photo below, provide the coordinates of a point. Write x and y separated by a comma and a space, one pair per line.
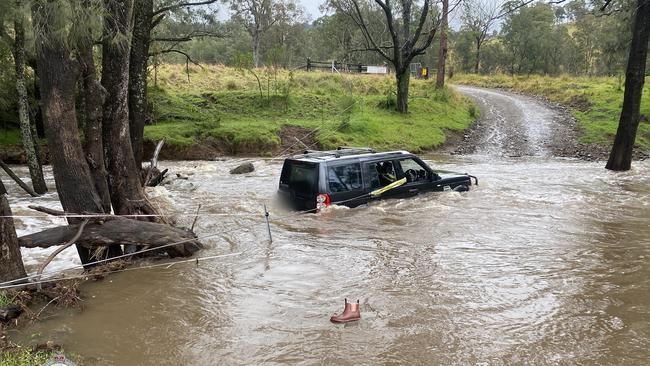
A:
268, 225
308, 64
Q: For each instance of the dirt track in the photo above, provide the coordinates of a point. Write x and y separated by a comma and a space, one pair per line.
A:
517, 125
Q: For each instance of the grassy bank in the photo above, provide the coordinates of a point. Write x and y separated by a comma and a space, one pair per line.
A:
223, 105
594, 102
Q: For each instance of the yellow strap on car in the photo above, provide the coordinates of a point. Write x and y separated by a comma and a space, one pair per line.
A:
395, 184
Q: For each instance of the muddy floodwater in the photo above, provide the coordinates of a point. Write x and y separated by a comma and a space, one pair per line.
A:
545, 262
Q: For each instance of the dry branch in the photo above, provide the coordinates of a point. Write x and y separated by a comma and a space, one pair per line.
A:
13, 176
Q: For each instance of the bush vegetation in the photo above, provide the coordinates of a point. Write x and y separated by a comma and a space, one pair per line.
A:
595, 102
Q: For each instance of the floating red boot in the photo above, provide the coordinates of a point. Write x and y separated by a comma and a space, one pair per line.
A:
350, 313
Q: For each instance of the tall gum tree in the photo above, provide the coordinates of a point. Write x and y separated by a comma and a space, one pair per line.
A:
145, 19
58, 75
127, 194
407, 39
11, 261
27, 130
620, 157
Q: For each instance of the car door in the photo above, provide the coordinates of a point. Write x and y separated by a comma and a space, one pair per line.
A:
345, 184
418, 177
374, 180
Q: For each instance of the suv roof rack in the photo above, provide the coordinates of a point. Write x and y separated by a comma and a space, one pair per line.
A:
340, 151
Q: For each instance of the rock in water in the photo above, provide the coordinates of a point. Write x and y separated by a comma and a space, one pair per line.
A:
242, 169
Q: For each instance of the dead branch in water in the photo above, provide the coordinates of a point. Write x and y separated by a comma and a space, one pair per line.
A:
48, 211
60, 249
16, 179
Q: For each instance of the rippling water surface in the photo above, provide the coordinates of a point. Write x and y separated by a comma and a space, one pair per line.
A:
545, 262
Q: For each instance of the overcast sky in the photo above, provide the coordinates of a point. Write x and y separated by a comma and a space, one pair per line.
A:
312, 7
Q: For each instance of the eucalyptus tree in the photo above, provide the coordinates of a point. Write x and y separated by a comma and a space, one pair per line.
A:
478, 18
620, 157
58, 74
409, 35
16, 10
147, 15
11, 261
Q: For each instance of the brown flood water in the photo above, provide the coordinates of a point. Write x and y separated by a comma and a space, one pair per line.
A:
546, 262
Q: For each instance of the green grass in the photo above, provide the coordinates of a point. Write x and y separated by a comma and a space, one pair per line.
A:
594, 101
24, 357
10, 137
224, 104
4, 300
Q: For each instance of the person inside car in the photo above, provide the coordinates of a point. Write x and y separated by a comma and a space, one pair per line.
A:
386, 173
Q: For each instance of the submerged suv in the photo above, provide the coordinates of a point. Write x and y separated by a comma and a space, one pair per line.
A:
353, 176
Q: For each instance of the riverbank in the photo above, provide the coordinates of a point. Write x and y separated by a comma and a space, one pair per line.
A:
215, 110
595, 102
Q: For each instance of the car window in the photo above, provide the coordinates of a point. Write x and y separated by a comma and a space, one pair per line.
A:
382, 173
413, 170
344, 178
300, 177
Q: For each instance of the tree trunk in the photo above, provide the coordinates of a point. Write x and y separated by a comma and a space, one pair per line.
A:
11, 261
403, 78
57, 76
442, 53
127, 194
94, 147
115, 231
138, 107
256, 47
621, 156
29, 139
477, 65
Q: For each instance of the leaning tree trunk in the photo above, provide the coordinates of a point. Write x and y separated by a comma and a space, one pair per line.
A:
403, 78
621, 156
57, 76
138, 107
127, 194
94, 147
442, 53
11, 261
29, 139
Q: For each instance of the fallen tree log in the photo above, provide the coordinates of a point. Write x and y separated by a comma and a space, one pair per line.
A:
118, 231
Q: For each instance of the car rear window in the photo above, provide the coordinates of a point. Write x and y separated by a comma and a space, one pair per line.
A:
300, 176
344, 178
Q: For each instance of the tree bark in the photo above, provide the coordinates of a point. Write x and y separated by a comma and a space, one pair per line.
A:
138, 108
11, 261
477, 65
57, 76
403, 79
442, 52
620, 157
256, 47
29, 139
94, 147
127, 194
115, 231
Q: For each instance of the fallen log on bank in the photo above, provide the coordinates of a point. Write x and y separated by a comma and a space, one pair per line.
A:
118, 231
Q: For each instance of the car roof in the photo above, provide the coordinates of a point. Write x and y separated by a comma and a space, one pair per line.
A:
344, 154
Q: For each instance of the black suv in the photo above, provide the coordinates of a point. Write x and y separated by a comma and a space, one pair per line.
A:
355, 176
